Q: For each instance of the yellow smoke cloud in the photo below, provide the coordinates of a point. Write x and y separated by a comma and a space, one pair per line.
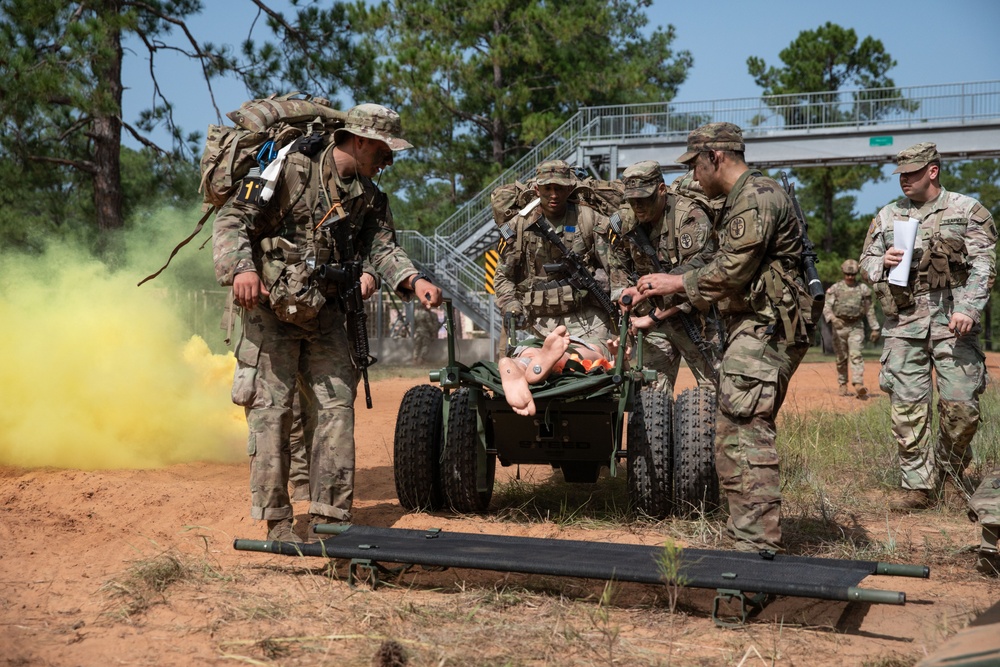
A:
97, 373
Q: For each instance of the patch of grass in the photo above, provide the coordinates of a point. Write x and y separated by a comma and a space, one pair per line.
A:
145, 583
602, 503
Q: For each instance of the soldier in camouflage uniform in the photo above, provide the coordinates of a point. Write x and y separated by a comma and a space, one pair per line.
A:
540, 301
985, 505
425, 329
932, 323
755, 280
325, 209
848, 303
678, 225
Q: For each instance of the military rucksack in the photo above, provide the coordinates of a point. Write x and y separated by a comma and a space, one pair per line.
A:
605, 197
262, 128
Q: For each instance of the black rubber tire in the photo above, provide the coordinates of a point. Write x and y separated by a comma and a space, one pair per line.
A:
696, 484
459, 460
417, 447
649, 450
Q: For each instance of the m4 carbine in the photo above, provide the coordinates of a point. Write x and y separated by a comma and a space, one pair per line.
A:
347, 277
573, 267
813, 284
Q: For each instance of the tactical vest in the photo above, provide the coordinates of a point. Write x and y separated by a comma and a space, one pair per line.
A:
850, 303
542, 294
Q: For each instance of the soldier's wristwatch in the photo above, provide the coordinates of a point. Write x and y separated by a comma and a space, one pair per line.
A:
416, 277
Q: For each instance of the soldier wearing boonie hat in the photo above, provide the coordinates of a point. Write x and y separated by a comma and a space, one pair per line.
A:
325, 207
375, 121
679, 229
932, 325
757, 265
713, 137
554, 172
916, 158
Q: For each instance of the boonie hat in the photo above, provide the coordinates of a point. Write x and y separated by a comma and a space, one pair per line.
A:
916, 157
556, 172
713, 137
375, 121
642, 179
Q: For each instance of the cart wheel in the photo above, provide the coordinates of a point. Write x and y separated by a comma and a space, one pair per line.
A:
417, 447
696, 485
459, 462
649, 454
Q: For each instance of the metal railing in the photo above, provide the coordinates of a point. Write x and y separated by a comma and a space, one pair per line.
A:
459, 276
954, 103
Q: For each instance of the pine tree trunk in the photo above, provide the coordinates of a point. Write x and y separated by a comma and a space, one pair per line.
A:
107, 136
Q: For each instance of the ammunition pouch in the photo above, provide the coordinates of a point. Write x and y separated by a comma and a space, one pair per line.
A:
894, 298
556, 297
295, 297
785, 291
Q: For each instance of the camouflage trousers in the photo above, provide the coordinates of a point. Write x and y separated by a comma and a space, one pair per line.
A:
754, 378
421, 347
985, 503
300, 444
273, 357
848, 341
959, 369
586, 323
664, 347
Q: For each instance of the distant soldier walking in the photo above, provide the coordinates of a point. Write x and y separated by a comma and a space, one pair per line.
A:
932, 322
425, 329
848, 304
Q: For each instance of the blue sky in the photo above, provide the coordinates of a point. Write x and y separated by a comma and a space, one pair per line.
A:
932, 42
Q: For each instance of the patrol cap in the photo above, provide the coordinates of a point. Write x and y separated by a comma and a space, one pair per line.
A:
849, 267
713, 137
642, 179
916, 157
556, 172
375, 121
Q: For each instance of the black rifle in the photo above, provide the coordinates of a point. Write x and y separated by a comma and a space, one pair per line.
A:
638, 237
347, 276
510, 328
813, 284
573, 267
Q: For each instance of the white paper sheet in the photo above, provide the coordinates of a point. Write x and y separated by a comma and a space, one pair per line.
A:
904, 236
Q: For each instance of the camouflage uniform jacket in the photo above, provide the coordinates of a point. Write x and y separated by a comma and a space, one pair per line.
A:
850, 304
306, 190
760, 250
521, 277
957, 217
682, 237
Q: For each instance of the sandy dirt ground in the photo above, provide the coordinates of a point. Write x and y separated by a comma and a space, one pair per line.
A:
72, 543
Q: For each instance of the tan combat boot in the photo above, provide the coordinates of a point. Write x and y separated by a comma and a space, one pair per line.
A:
281, 531
861, 391
844, 391
910, 500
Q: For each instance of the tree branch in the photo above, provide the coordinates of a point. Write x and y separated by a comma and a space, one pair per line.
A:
86, 165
